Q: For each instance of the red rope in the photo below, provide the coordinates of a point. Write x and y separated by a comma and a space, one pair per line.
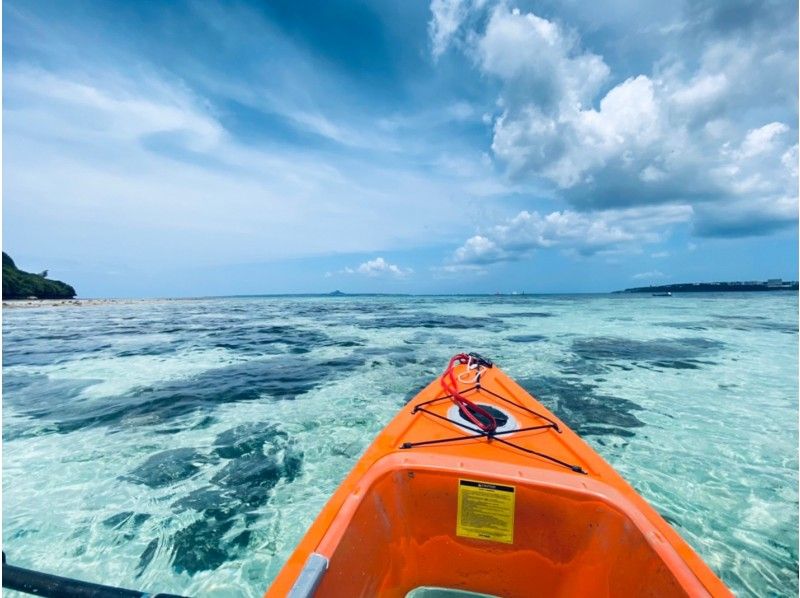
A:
465, 406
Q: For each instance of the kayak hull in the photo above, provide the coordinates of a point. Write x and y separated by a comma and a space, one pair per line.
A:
483, 516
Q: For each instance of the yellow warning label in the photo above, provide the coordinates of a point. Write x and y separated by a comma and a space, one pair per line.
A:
485, 511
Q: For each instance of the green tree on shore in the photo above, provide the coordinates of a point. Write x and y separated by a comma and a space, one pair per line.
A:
21, 285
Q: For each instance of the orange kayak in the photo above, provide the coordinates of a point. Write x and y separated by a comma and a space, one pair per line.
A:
491, 495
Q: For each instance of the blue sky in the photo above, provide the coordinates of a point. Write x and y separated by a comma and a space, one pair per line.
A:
201, 148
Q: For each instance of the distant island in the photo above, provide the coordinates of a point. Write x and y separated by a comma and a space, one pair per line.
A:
773, 284
25, 285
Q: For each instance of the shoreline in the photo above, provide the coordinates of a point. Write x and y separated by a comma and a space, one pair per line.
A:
93, 302
38, 303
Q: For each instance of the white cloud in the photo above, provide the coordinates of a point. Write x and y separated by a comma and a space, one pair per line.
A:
626, 124
660, 254
745, 217
651, 174
378, 267
691, 131
458, 270
650, 274
702, 91
478, 250
461, 111
789, 161
582, 233
447, 17
761, 140
535, 58
149, 166
116, 110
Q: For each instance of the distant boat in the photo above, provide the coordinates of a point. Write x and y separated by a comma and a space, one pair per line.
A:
667, 294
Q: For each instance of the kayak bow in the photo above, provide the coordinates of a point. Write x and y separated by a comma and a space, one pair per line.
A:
475, 487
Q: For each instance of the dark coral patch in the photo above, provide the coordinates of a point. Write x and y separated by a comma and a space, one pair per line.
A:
527, 338
584, 409
167, 467
431, 320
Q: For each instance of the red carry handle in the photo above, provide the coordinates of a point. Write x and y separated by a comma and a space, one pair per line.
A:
465, 406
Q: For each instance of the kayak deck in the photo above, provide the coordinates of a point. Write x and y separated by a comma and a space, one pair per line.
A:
531, 510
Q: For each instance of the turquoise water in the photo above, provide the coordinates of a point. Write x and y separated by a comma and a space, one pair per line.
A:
185, 446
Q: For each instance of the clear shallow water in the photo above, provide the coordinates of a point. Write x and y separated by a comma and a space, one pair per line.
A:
185, 446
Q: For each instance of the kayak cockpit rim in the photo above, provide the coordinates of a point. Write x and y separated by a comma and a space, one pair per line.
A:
412, 465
